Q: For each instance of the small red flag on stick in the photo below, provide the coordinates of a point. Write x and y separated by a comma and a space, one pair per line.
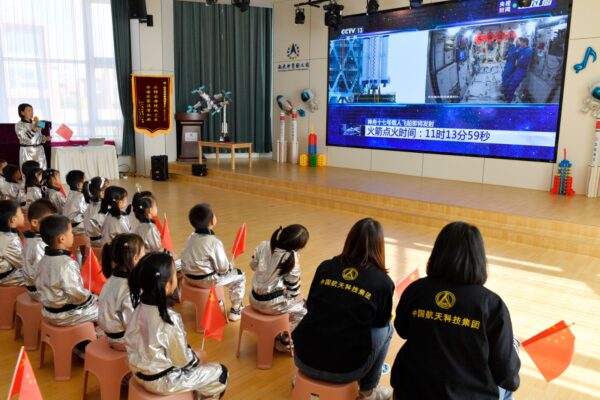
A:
552, 350
159, 225
167, 242
404, 282
91, 273
23, 382
213, 320
239, 244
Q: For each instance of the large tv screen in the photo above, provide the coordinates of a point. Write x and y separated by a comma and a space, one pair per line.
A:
476, 78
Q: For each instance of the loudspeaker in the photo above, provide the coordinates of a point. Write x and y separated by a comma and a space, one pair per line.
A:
137, 9
199, 169
159, 168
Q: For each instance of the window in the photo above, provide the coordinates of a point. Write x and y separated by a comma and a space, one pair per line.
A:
58, 55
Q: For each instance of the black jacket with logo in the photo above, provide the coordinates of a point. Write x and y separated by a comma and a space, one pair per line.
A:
459, 343
343, 305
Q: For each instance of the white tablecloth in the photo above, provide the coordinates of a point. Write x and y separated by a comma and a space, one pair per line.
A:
93, 160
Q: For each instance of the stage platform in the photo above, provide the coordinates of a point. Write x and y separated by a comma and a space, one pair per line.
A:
525, 216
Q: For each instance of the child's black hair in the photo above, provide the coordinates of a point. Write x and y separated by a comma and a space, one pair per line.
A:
93, 188
8, 209
52, 227
29, 164
39, 208
48, 175
141, 207
31, 179
22, 108
74, 178
112, 195
9, 172
148, 279
291, 238
201, 216
119, 253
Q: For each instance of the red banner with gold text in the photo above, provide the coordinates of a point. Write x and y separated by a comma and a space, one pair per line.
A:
152, 110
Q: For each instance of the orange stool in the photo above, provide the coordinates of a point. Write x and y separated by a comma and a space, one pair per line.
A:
63, 339
198, 297
308, 389
266, 328
109, 365
28, 317
137, 392
8, 298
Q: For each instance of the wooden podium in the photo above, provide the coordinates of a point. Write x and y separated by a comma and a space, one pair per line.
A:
189, 133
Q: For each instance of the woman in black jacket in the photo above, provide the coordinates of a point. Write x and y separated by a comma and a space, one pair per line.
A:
346, 332
459, 337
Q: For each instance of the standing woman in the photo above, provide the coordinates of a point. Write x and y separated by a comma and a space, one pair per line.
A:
459, 338
30, 137
346, 332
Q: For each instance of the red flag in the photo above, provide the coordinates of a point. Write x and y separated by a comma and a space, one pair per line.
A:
213, 320
158, 225
65, 132
552, 350
91, 273
165, 237
61, 189
239, 244
23, 383
404, 282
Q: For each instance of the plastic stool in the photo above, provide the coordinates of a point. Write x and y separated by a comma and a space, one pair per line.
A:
311, 389
63, 339
198, 297
266, 328
137, 392
109, 365
28, 317
8, 298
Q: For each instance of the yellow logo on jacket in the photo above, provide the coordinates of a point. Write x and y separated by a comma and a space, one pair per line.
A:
445, 299
350, 274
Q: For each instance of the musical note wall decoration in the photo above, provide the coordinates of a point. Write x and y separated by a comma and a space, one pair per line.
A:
588, 53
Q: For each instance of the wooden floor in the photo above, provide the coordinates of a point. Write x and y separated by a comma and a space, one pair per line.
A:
540, 287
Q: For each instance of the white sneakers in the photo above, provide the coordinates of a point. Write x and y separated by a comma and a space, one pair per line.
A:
235, 315
380, 393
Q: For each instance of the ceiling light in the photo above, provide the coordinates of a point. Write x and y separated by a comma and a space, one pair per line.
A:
372, 6
333, 15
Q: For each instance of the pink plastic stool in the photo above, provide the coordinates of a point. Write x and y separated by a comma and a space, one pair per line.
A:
266, 328
310, 389
109, 365
137, 392
198, 297
8, 298
28, 317
63, 339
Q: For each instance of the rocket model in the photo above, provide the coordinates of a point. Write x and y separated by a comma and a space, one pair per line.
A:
563, 181
281, 143
312, 147
293, 156
593, 175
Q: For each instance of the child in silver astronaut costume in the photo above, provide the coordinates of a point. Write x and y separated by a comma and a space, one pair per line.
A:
65, 301
53, 192
11, 258
114, 206
144, 208
34, 247
276, 280
204, 261
75, 205
157, 350
93, 219
114, 303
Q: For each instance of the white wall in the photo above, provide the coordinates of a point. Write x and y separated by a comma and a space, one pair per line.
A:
152, 53
576, 132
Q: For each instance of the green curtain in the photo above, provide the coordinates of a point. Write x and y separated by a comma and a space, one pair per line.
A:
122, 42
224, 49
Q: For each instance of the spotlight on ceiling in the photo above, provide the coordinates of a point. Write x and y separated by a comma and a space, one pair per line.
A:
243, 5
300, 17
372, 7
333, 14
416, 3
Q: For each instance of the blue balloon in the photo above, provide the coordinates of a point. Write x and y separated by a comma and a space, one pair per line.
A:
596, 93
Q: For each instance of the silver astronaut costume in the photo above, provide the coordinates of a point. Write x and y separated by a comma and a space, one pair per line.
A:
114, 226
56, 198
115, 309
66, 302
155, 347
92, 223
204, 262
11, 259
32, 193
151, 236
33, 251
274, 294
14, 191
31, 144
74, 209
2, 185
